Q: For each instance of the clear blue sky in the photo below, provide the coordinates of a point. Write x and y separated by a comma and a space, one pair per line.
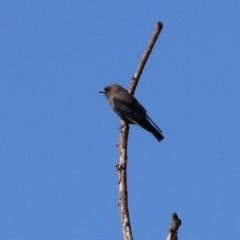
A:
58, 134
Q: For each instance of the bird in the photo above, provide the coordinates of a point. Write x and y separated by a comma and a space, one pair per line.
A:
127, 107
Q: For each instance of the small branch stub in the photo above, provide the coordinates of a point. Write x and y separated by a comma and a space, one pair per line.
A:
173, 229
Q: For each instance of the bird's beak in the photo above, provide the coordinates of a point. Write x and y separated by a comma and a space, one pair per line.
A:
102, 91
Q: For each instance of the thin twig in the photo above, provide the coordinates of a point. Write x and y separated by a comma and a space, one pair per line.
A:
173, 229
138, 73
122, 145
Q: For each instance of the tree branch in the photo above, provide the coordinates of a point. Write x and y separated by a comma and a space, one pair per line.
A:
138, 73
122, 145
173, 229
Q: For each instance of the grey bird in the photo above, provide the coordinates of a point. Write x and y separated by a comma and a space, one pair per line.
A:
129, 109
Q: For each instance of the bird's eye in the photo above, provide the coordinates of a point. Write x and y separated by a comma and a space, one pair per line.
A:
107, 89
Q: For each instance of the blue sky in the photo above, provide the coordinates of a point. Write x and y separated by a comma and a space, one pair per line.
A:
58, 134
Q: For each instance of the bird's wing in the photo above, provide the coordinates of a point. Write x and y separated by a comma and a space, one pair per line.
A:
155, 125
131, 110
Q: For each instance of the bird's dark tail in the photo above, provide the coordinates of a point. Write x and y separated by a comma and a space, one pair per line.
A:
154, 129
157, 135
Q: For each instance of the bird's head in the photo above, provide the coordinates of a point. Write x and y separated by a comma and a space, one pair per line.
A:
110, 90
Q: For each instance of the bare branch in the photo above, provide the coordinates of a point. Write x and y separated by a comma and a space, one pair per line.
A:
122, 145
173, 229
138, 73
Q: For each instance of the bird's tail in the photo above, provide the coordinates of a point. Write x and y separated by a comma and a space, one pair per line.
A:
154, 129
157, 135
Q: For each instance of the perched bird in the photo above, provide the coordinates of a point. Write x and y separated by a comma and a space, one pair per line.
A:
129, 109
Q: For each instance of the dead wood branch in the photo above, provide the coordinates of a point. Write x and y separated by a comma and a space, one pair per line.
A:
122, 145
